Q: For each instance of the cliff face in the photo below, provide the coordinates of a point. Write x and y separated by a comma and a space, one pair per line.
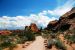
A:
52, 24
65, 22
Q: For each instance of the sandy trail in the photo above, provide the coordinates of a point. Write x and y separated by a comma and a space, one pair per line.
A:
38, 44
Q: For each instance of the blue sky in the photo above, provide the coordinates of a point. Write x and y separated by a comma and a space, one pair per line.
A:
26, 7
16, 14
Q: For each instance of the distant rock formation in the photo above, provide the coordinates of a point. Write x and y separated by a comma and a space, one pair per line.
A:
5, 32
65, 22
33, 27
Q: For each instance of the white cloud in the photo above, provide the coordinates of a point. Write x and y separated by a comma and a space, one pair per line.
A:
60, 10
41, 19
21, 21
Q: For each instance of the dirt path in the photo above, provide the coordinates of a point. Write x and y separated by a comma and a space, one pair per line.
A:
38, 44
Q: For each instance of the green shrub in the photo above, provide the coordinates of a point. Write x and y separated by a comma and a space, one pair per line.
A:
0, 48
50, 43
60, 45
18, 38
30, 36
7, 42
22, 39
57, 43
72, 38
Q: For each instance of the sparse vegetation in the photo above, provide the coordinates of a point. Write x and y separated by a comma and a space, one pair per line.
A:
7, 41
57, 43
10, 41
60, 45
51, 42
70, 38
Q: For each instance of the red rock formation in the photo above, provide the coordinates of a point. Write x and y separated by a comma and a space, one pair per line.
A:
5, 32
54, 23
67, 21
34, 27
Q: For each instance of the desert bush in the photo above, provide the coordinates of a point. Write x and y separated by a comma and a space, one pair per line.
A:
8, 43
0, 48
46, 31
22, 39
50, 43
30, 36
11, 40
24, 36
57, 43
70, 38
60, 45
37, 33
73, 31
53, 35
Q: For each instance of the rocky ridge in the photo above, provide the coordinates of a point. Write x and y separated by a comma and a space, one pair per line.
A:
65, 22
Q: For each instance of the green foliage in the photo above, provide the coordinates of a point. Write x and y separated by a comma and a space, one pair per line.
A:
60, 45
30, 36
70, 38
73, 31
0, 48
27, 35
53, 35
50, 43
37, 33
46, 31
8, 42
11, 40
57, 43
21, 39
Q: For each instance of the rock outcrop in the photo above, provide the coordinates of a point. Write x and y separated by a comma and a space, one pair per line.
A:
65, 22
52, 24
33, 27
